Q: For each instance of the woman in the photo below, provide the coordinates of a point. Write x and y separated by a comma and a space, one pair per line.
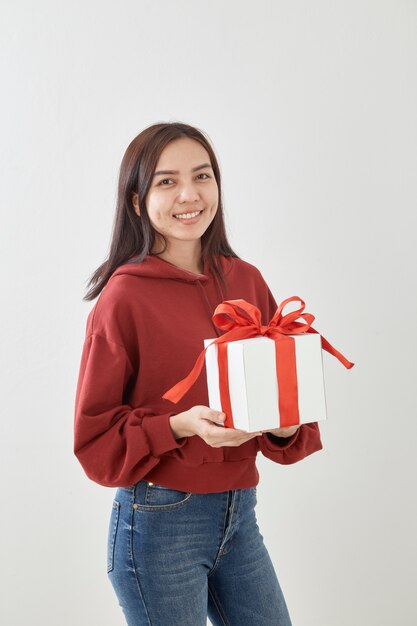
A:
183, 540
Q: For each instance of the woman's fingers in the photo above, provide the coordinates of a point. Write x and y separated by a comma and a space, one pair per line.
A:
230, 436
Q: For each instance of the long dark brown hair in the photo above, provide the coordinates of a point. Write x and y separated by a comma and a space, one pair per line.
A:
134, 236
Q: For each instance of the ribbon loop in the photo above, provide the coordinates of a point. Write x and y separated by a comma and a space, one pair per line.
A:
231, 308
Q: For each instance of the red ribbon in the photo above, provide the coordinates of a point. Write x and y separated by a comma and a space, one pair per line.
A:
247, 326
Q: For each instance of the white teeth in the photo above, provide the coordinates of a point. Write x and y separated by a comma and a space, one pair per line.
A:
187, 215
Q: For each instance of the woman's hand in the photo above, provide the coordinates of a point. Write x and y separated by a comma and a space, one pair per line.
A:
287, 431
208, 424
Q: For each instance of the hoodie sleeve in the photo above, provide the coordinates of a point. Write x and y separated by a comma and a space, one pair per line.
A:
305, 441
116, 444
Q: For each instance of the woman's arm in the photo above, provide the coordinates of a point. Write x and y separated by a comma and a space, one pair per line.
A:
287, 450
115, 443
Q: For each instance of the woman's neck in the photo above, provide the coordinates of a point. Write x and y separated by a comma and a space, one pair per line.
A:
187, 259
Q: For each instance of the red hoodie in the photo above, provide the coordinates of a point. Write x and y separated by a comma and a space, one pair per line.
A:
143, 335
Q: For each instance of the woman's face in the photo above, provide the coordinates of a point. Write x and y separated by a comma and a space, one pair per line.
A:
183, 183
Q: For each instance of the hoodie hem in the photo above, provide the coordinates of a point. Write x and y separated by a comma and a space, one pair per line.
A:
209, 477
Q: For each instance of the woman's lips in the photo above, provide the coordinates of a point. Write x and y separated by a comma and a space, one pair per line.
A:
190, 220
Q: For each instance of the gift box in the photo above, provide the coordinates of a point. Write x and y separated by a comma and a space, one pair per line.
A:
263, 376
256, 394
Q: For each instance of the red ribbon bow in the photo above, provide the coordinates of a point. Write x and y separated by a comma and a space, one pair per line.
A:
247, 326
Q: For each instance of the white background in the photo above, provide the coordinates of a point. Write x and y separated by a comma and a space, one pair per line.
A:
311, 108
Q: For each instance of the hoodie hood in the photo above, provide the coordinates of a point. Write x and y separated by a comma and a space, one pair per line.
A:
156, 267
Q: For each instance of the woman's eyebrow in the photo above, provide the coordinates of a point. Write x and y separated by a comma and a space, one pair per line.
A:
194, 169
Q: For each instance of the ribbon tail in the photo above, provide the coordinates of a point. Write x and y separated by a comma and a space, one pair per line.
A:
175, 393
329, 348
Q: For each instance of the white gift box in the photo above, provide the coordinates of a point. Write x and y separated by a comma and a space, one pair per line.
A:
253, 384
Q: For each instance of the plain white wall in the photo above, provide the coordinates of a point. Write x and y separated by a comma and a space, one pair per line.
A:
311, 107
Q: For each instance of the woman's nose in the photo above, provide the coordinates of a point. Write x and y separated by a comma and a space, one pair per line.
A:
188, 192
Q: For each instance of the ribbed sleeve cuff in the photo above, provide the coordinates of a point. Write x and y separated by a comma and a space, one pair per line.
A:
279, 443
159, 434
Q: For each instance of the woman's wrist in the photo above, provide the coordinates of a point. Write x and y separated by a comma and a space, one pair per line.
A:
177, 426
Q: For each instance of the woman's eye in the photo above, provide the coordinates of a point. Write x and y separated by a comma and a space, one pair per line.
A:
165, 179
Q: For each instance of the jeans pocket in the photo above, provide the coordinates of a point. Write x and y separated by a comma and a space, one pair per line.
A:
159, 498
111, 536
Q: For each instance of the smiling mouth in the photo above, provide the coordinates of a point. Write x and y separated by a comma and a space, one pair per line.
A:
187, 216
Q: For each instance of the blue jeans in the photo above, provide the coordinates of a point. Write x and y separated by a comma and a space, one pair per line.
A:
174, 558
